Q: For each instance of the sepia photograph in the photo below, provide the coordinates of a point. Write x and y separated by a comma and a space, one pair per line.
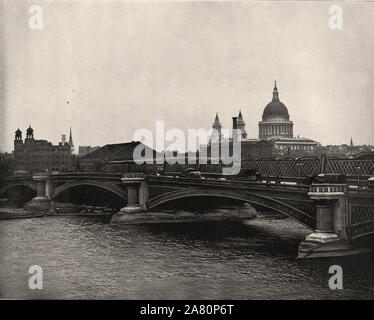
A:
205, 152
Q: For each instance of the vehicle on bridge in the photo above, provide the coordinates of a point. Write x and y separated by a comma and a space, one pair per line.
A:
245, 174
265, 158
285, 159
248, 174
371, 183
159, 170
324, 178
308, 158
330, 178
191, 173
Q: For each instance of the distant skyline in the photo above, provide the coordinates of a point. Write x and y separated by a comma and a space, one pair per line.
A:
108, 68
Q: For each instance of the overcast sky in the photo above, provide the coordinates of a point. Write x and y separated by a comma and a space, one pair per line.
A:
108, 68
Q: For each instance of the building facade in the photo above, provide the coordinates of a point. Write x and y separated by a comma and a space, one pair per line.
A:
295, 146
34, 155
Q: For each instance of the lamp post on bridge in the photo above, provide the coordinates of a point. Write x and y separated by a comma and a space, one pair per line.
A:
299, 165
358, 176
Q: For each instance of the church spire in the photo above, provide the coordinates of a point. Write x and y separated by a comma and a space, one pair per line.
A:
217, 126
240, 114
216, 120
351, 142
71, 140
241, 125
275, 92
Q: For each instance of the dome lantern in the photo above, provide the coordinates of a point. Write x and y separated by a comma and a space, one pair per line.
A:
275, 92
275, 110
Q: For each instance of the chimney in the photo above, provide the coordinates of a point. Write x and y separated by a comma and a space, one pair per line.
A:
234, 123
63, 139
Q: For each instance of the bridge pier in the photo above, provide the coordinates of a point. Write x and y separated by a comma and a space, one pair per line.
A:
324, 231
42, 200
331, 235
137, 196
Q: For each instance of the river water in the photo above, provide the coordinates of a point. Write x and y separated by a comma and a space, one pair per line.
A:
90, 258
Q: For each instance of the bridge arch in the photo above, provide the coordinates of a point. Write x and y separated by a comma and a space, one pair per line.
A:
12, 185
111, 187
252, 198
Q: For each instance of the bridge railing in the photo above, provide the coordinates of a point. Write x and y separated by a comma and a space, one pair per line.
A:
350, 167
284, 168
290, 168
41, 175
86, 175
228, 183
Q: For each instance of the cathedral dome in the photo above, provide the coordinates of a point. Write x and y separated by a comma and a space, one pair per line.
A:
275, 110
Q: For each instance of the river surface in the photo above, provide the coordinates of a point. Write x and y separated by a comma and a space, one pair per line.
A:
92, 259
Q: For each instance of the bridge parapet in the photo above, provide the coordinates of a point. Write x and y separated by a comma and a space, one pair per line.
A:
41, 176
327, 191
128, 177
239, 184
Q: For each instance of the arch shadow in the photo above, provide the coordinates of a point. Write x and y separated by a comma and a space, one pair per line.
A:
12, 185
111, 187
251, 198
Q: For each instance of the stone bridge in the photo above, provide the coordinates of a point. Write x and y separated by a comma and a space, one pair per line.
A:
336, 213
